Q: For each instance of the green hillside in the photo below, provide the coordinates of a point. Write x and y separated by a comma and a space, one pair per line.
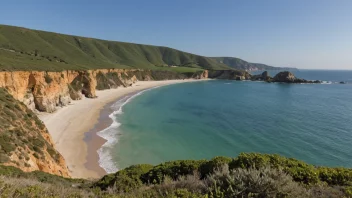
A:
240, 64
26, 49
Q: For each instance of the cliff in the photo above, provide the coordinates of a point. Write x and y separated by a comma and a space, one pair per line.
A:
45, 91
24, 140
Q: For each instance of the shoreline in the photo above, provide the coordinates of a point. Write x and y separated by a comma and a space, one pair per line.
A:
74, 127
96, 142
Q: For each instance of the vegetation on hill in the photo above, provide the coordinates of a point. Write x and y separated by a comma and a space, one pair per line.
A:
26, 49
24, 140
19, 128
248, 175
240, 64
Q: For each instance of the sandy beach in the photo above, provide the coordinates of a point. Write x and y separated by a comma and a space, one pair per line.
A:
69, 124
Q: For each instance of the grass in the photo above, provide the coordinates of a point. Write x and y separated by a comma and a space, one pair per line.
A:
237, 63
240, 64
26, 49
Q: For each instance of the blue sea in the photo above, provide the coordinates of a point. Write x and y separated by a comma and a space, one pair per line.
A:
201, 120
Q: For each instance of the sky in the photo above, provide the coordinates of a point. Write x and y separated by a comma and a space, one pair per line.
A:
310, 34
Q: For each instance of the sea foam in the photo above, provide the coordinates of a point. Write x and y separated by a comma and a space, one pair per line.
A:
110, 134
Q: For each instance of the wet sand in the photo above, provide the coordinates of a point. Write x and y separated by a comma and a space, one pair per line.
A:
74, 127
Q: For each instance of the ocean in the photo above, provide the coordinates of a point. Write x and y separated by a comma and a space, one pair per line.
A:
201, 120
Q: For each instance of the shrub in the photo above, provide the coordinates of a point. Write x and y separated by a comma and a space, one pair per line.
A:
13, 187
217, 162
47, 78
39, 123
53, 153
38, 142
335, 176
323, 191
173, 169
124, 180
4, 158
191, 183
6, 144
300, 171
262, 182
36, 155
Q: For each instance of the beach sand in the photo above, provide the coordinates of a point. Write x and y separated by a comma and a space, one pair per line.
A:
69, 127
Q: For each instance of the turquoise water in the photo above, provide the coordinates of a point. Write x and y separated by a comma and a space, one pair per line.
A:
200, 120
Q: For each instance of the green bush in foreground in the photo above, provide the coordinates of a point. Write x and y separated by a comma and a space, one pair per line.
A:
248, 175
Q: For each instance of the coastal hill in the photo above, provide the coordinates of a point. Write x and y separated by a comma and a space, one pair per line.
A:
27, 49
237, 63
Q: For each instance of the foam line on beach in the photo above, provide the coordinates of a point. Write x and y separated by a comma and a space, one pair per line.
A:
110, 134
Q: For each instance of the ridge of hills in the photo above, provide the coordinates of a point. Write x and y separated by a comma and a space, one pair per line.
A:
240, 64
27, 49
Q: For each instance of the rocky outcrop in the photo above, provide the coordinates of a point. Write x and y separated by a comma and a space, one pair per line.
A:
261, 77
202, 75
288, 77
229, 74
43, 91
282, 77
285, 76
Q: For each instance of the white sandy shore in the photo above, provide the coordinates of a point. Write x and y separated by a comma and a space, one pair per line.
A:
68, 124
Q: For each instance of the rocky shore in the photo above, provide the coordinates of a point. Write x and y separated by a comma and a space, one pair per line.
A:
282, 77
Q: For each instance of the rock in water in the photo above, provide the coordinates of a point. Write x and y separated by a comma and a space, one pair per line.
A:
285, 76
288, 77
261, 77
265, 74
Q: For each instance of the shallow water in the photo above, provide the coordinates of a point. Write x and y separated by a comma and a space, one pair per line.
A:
311, 122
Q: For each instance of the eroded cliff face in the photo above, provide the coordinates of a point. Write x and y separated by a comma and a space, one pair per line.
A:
24, 140
202, 75
45, 91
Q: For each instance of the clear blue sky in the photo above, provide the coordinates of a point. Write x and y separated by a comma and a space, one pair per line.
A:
298, 33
